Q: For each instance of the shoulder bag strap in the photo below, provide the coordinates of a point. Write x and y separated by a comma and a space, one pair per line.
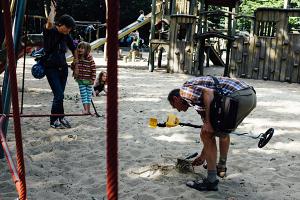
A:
219, 89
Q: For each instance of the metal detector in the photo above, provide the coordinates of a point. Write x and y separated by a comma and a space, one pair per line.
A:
173, 121
96, 113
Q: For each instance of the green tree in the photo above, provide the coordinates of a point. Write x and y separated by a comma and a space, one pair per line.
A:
248, 7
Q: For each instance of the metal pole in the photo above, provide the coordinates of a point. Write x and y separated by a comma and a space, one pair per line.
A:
14, 92
152, 33
113, 7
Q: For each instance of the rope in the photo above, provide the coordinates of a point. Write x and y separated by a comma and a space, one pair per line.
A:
14, 90
112, 99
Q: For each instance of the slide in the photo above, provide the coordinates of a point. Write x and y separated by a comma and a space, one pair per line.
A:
123, 32
214, 56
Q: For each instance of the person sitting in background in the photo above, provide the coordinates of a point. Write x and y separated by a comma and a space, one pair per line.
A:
100, 83
134, 45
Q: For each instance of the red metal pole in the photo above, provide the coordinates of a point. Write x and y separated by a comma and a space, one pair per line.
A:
15, 100
112, 99
10, 162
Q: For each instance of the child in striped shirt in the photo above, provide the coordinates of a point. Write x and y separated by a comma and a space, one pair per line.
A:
85, 74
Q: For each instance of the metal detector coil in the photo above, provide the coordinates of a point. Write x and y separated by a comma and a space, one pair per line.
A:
265, 138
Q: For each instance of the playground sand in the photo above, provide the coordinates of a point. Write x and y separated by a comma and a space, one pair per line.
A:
70, 164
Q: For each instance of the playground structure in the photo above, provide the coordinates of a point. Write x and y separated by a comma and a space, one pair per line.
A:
123, 32
272, 51
189, 36
172, 26
112, 132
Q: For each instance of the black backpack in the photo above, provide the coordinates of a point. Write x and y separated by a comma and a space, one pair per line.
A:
223, 110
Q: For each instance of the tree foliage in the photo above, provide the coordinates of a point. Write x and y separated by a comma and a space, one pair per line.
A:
248, 7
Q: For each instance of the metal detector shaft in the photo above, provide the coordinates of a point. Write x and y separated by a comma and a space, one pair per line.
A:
162, 124
173, 121
246, 134
96, 113
264, 138
190, 125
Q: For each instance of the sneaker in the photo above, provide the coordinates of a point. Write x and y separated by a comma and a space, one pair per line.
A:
56, 125
203, 185
65, 122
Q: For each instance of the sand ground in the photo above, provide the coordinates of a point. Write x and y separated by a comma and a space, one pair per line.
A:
70, 164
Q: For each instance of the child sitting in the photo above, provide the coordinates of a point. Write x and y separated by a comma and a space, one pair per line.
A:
100, 83
84, 74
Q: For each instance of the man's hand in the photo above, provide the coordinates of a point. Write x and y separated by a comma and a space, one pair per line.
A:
198, 161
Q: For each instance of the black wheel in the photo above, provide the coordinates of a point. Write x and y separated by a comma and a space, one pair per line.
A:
265, 138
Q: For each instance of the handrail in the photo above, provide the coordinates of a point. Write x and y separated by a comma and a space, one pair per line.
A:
213, 34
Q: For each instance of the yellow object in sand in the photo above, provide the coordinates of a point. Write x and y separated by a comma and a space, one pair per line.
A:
172, 121
153, 123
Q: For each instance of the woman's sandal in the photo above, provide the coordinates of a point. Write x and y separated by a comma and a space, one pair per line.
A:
221, 171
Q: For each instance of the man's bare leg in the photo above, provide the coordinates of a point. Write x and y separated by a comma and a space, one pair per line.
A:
224, 143
210, 151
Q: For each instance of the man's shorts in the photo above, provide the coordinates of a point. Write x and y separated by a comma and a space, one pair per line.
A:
247, 102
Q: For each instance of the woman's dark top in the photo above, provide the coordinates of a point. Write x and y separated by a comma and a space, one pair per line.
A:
55, 46
99, 87
56, 41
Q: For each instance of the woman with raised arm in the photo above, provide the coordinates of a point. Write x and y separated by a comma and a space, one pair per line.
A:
56, 41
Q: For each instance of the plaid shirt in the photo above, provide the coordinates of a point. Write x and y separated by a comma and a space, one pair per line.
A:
192, 90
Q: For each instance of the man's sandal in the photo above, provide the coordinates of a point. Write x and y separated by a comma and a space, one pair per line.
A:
221, 171
203, 185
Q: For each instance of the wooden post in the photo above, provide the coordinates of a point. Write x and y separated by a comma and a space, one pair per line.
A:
152, 33
199, 58
192, 7
229, 43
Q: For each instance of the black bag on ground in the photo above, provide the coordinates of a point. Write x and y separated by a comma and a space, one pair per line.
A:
223, 111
